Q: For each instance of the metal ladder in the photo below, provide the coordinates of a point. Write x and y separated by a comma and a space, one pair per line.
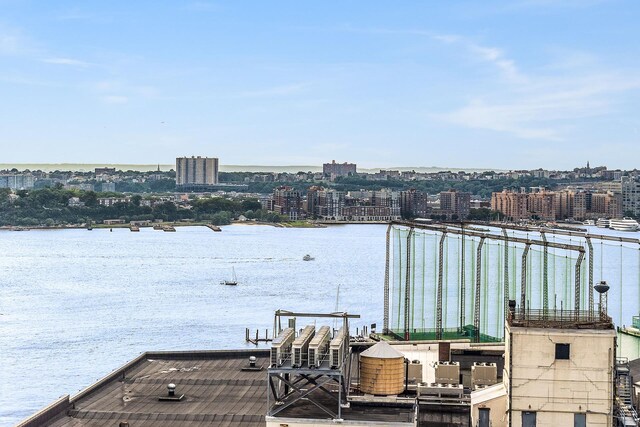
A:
624, 390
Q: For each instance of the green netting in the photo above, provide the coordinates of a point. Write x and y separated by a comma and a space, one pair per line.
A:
417, 259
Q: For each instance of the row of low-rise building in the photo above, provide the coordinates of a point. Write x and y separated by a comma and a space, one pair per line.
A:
366, 205
542, 204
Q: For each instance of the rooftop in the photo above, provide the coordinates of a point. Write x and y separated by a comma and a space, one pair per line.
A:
560, 319
216, 392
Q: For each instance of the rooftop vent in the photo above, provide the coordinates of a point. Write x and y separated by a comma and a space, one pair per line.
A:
171, 394
252, 365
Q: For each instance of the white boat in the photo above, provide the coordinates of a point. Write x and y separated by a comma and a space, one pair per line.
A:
624, 224
307, 257
602, 223
588, 222
233, 281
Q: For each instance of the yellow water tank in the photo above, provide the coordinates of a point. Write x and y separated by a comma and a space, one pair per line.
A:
382, 370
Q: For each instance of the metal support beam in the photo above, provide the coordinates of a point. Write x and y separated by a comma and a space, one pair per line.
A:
476, 308
439, 290
407, 290
590, 284
545, 275
576, 305
506, 272
462, 282
523, 282
385, 323
490, 236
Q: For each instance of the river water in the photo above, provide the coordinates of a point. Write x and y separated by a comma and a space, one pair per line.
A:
74, 304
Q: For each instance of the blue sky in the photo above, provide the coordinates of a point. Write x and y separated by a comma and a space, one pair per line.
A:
513, 84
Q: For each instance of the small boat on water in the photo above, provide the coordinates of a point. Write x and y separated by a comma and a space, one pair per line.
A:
308, 257
602, 223
233, 281
624, 224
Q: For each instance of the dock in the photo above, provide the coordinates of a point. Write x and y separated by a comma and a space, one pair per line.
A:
214, 227
257, 339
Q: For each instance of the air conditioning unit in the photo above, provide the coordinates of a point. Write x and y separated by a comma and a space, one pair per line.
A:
319, 347
440, 390
281, 347
300, 346
338, 347
484, 374
414, 373
448, 372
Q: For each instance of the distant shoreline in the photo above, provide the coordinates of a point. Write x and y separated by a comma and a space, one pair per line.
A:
177, 224
89, 167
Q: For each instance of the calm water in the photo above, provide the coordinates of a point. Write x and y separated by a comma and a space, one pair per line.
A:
75, 304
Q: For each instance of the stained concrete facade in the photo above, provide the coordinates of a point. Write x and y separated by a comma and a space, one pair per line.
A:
552, 374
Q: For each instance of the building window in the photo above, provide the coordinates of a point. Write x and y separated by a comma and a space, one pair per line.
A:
484, 417
528, 419
579, 420
562, 351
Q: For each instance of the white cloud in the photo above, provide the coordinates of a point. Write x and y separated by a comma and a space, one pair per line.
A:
67, 61
536, 110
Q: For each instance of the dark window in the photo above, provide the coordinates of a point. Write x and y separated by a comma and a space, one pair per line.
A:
528, 419
579, 420
562, 351
484, 419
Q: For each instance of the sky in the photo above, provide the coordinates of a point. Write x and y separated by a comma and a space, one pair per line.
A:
517, 84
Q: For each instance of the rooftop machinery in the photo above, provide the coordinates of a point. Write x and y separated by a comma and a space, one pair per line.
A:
309, 366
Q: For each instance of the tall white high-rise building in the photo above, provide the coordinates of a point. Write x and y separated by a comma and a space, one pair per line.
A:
196, 171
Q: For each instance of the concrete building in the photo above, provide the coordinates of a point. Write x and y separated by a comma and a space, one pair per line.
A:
17, 181
104, 171
568, 379
287, 201
513, 205
455, 204
542, 205
631, 195
334, 169
609, 205
194, 171
414, 203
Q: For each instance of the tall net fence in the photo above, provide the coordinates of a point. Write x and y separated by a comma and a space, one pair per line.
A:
424, 261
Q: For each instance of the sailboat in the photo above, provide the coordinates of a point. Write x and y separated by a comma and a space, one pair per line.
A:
233, 281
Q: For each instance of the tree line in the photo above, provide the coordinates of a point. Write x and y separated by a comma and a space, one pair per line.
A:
50, 207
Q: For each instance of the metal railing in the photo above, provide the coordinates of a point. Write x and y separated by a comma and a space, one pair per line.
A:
561, 319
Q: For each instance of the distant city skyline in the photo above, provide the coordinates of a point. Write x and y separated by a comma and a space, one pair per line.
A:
497, 85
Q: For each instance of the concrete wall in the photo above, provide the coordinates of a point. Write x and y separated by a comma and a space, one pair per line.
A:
557, 389
299, 422
495, 399
629, 344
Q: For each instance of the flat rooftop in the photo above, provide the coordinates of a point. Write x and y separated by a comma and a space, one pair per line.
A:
216, 392
560, 319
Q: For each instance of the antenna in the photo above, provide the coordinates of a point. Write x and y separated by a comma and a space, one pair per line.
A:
335, 321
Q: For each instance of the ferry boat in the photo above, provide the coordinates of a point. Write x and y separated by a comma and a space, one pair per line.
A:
624, 224
602, 223
588, 222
